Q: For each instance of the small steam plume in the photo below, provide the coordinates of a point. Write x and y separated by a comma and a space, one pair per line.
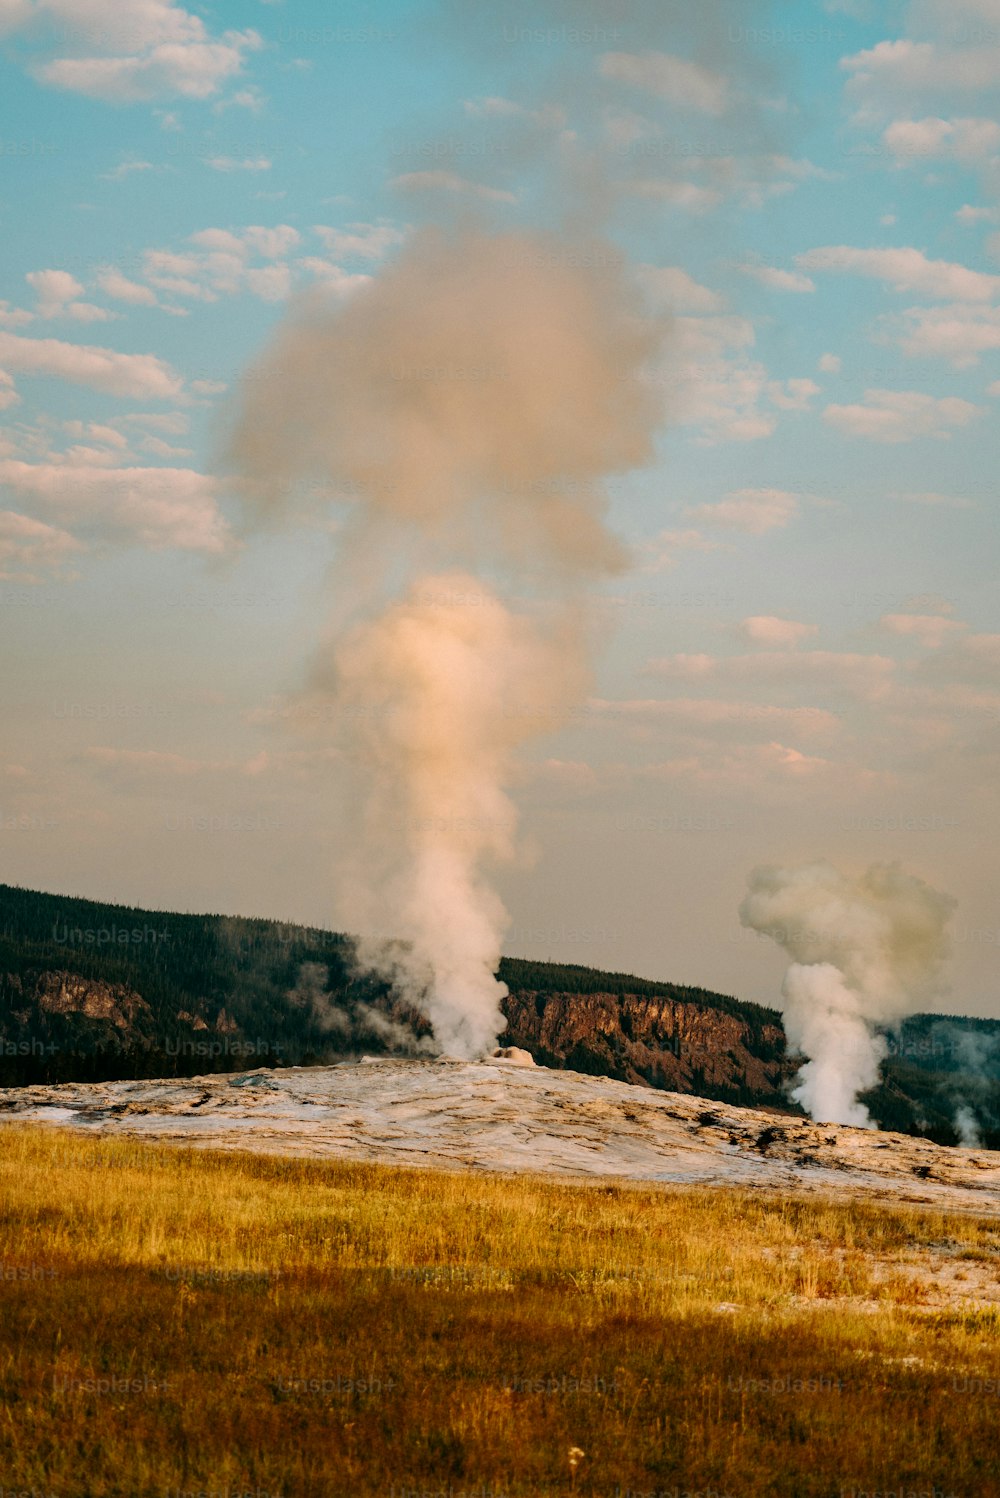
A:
353, 1022
967, 1126
971, 1064
468, 404
865, 952
312, 994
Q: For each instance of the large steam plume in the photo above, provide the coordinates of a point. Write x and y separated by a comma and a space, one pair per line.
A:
865, 952
467, 406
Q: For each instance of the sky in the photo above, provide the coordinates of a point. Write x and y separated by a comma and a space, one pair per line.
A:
802, 659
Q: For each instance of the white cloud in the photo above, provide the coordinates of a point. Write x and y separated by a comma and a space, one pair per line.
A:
57, 291
219, 264
97, 432
121, 289
930, 630
830, 363
750, 180
154, 507
661, 552
550, 116
125, 51
126, 168
905, 68
751, 510
8, 391
239, 164
712, 383
138, 376
333, 278
778, 279
977, 214
271, 243
959, 333
901, 415
444, 181
29, 548
244, 98
689, 195
675, 79
272, 283
359, 241
792, 395
769, 630
932, 138
670, 286
14, 317
174, 423
219, 240
161, 449
906, 269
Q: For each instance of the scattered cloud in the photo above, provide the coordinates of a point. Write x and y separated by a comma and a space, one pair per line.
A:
792, 395
8, 391
14, 317
333, 279
910, 69
930, 630
661, 552
673, 79
901, 416
120, 289
932, 138
152, 507
671, 287
57, 292
776, 278
712, 382
29, 549
959, 333
753, 511
126, 170
239, 163
774, 632
687, 195
137, 376
126, 51
905, 269
360, 241
549, 116
451, 182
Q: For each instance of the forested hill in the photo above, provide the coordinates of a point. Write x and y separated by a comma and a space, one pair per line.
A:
89, 990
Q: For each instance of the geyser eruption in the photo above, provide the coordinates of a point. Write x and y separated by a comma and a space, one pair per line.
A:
468, 405
444, 687
865, 952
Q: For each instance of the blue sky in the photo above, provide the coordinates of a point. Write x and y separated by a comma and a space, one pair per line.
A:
803, 660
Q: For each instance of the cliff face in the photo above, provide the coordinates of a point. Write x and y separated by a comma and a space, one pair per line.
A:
654, 1041
69, 993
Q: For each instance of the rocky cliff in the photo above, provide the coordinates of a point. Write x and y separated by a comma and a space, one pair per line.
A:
658, 1041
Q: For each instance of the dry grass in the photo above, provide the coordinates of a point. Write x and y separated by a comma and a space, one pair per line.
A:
219, 1323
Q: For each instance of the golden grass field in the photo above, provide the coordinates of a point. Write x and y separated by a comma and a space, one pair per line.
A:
183, 1322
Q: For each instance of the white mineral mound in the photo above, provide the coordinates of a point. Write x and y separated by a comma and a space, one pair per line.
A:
500, 1115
